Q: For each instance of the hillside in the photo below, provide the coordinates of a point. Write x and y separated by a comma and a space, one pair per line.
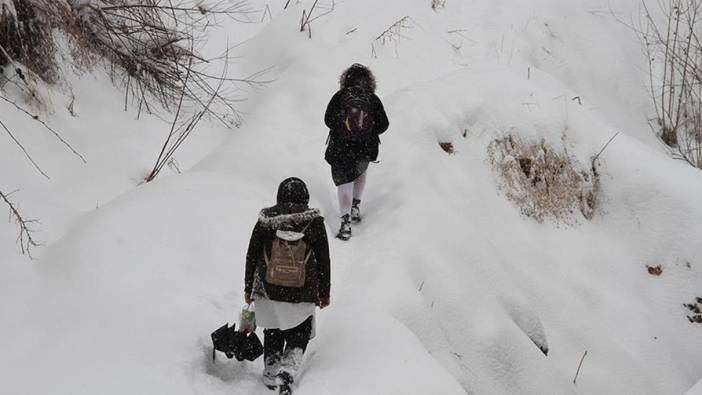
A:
445, 288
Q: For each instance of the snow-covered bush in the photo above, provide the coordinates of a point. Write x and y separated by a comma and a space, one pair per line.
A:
148, 46
542, 182
673, 44
26, 36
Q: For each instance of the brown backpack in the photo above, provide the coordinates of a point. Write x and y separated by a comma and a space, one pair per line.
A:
286, 265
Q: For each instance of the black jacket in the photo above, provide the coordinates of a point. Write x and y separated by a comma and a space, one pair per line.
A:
345, 155
298, 218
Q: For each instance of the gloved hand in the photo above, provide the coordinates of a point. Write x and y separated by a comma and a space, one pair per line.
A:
324, 302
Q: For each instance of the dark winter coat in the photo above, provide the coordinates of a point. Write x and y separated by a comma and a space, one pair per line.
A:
297, 218
349, 159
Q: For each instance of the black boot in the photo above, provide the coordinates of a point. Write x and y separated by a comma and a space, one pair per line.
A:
356, 211
345, 230
286, 387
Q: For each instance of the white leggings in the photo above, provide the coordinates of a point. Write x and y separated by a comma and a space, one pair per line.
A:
350, 191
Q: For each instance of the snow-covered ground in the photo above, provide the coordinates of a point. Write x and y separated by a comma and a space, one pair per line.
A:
445, 287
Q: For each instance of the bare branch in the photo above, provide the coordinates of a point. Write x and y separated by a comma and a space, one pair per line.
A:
394, 33
307, 19
178, 134
674, 53
153, 44
25, 238
605, 146
24, 150
45, 125
575, 379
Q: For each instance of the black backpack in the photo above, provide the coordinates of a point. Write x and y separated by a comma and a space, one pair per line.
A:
357, 121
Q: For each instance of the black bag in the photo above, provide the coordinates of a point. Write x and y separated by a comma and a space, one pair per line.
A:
249, 349
356, 113
235, 344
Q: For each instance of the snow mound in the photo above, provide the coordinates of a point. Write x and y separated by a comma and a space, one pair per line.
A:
445, 288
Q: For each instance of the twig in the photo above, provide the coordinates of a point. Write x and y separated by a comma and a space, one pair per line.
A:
393, 33
307, 18
171, 145
579, 366
159, 159
327, 12
394, 29
605, 147
46, 126
26, 153
267, 11
24, 239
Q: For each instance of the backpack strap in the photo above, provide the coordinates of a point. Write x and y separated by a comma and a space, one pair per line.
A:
267, 259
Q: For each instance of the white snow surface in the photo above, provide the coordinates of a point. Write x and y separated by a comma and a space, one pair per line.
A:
696, 390
445, 288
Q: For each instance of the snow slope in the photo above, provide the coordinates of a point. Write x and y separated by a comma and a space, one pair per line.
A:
443, 289
696, 390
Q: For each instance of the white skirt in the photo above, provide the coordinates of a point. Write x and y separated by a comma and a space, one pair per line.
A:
272, 314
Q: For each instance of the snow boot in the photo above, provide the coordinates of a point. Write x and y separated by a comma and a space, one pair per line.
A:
285, 387
270, 373
355, 211
345, 230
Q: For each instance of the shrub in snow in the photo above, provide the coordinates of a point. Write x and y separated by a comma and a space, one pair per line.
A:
393, 34
542, 182
148, 46
436, 4
26, 36
694, 307
655, 270
674, 50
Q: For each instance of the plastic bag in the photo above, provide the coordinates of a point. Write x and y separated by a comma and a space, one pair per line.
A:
247, 319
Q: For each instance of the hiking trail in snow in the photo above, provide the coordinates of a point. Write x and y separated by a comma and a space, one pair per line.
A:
444, 288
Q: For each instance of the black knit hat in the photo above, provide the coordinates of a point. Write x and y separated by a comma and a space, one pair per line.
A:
293, 190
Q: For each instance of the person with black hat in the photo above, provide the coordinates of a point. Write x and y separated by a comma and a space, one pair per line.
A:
356, 118
287, 277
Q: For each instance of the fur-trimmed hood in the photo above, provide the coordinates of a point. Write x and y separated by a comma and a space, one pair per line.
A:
358, 75
287, 218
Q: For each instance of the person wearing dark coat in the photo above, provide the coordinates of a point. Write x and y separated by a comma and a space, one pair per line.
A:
287, 314
349, 159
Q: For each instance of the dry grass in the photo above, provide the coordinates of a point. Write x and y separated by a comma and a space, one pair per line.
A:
544, 183
436, 4
654, 270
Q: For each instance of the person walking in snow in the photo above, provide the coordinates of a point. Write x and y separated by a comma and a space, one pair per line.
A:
356, 118
287, 277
